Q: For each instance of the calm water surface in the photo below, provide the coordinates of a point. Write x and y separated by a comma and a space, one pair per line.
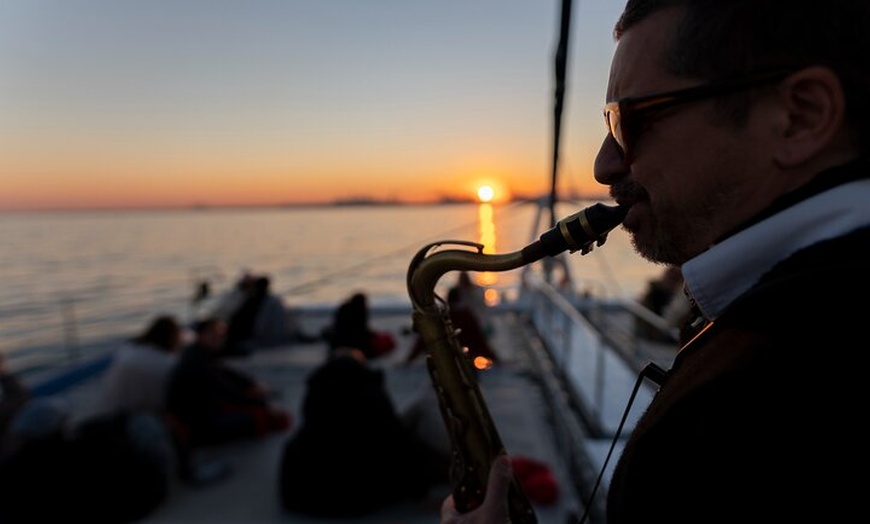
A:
72, 278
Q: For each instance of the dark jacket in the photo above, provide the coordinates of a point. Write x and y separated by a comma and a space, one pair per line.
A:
759, 419
202, 384
351, 456
350, 329
114, 469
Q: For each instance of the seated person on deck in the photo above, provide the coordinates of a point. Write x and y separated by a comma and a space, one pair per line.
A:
350, 328
137, 376
352, 455
260, 319
13, 395
209, 402
471, 334
114, 467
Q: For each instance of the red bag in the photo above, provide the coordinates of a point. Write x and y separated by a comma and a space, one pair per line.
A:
536, 479
382, 343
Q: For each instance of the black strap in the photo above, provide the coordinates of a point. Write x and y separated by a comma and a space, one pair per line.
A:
656, 374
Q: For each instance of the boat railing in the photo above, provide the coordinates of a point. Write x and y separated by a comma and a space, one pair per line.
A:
588, 363
598, 375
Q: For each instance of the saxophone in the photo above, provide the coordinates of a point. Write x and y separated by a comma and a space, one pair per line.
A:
474, 439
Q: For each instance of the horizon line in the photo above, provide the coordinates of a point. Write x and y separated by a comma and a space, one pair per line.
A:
338, 202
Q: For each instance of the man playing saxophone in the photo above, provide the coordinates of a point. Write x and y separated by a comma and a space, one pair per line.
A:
738, 135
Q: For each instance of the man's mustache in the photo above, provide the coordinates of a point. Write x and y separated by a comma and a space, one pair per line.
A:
628, 193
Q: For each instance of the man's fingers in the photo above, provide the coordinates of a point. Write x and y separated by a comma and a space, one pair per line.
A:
500, 476
495, 504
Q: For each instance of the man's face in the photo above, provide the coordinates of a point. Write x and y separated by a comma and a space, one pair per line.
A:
686, 171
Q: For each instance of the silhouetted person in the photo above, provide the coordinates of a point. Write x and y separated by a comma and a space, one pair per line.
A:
470, 333
350, 328
660, 293
13, 395
473, 298
112, 468
241, 338
209, 402
352, 455
738, 137
139, 371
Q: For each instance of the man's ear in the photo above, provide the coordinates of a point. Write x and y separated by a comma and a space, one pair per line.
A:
814, 106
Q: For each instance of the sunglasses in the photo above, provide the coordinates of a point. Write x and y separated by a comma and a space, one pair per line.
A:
624, 117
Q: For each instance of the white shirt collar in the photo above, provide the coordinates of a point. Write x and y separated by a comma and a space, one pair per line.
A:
719, 275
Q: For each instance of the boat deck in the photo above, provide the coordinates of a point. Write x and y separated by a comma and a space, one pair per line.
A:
250, 493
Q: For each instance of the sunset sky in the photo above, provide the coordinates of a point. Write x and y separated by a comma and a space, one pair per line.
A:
135, 103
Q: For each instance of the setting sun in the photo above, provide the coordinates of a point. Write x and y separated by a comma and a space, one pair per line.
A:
485, 193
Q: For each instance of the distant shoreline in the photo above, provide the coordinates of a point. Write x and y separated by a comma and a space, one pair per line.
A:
344, 202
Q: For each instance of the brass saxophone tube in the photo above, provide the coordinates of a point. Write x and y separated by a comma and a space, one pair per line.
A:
475, 441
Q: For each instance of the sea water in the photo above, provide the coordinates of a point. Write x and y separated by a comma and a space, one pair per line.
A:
70, 279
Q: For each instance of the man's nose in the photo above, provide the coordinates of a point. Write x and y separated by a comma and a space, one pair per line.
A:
610, 163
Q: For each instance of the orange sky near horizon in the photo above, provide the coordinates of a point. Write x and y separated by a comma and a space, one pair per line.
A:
144, 185
267, 103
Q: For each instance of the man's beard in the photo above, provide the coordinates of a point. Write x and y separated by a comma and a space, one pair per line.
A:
657, 245
663, 242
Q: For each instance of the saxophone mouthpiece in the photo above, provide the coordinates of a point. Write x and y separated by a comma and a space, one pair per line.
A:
578, 232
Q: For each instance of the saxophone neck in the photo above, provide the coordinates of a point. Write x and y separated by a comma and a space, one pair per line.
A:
428, 267
579, 232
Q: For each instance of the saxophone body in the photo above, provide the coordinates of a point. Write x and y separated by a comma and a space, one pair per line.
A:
474, 438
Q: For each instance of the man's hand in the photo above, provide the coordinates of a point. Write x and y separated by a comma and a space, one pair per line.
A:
494, 509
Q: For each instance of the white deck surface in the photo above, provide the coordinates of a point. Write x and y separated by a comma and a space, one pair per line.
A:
250, 493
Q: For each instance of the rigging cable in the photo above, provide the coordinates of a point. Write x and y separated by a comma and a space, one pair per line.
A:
352, 271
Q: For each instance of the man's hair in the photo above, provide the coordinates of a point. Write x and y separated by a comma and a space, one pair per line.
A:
733, 38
